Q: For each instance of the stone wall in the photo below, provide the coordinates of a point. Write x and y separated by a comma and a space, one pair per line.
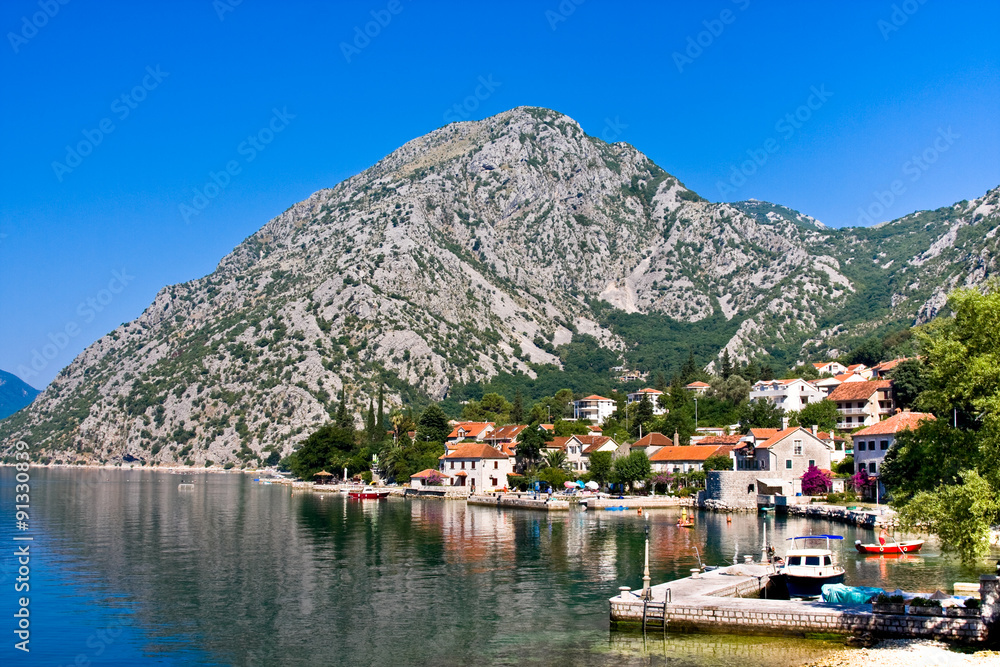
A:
546, 504
730, 490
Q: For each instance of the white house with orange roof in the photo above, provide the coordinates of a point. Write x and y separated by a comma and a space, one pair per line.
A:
792, 395
698, 387
861, 370
478, 466
469, 431
872, 442
882, 369
595, 408
830, 367
862, 403
784, 457
652, 394
685, 458
504, 435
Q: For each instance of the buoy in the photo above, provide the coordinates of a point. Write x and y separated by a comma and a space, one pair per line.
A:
904, 549
881, 548
729, 519
640, 510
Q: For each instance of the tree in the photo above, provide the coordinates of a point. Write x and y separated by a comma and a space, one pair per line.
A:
664, 480
718, 462
869, 352
530, 443
433, 424
640, 416
767, 373
815, 482
517, 410
962, 373
492, 408
760, 413
330, 446
631, 469
601, 467
371, 426
959, 514
343, 419
382, 425
557, 459
822, 414
733, 389
565, 428
661, 381
907, 382
690, 370
727, 365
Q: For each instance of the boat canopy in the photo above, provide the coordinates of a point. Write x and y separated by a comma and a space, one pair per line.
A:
808, 537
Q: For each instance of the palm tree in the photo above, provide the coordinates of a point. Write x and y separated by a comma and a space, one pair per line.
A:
557, 459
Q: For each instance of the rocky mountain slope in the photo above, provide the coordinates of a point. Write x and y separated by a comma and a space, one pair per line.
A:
471, 251
15, 394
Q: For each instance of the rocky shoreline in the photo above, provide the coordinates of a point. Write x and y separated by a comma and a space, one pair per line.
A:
906, 653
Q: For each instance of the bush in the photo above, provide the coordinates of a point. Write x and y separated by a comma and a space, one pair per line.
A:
973, 603
882, 598
686, 491
229, 465
924, 602
366, 476
845, 498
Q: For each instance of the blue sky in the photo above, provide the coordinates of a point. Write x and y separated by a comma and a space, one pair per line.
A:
818, 106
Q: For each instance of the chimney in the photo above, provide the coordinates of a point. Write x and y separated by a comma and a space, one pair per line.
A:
784, 423
815, 429
677, 439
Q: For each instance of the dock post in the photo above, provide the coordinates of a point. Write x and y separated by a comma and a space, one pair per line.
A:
645, 574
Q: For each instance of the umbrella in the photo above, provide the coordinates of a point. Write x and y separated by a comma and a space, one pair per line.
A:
593, 486
580, 484
569, 485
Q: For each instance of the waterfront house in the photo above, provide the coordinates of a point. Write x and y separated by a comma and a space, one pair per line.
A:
871, 443
429, 477
881, 370
469, 431
594, 408
785, 456
652, 394
580, 447
862, 403
686, 458
477, 465
792, 395
698, 387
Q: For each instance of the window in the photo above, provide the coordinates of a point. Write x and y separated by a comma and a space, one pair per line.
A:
452, 465
473, 465
496, 465
788, 464
871, 466
883, 444
812, 462
871, 445
812, 560
798, 448
827, 560
795, 560
861, 445
463, 465
839, 446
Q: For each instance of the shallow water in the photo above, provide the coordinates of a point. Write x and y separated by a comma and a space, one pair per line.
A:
128, 568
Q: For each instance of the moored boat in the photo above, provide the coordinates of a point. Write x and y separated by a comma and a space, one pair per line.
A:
368, 493
807, 568
886, 548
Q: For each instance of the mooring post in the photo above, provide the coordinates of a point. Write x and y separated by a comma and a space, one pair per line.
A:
989, 594
645, 573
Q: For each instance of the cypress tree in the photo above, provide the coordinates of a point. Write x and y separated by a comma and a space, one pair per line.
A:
382, 426
370, 422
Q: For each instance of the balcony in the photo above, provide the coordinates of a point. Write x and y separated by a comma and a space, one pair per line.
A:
852, 411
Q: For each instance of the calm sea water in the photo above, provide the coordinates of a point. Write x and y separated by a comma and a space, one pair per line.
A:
128, 569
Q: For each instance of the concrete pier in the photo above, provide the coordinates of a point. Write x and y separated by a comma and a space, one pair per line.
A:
523, 502
728, 600
639, 502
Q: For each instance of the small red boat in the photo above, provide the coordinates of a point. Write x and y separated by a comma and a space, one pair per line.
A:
886, 548
368, 493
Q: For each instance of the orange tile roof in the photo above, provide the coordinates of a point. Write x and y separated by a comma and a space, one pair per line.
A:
684, 453
653, 440
763, 433
820, 365
472, 429
558, 442
506, 432
781, 435
697, 383
548, 427
594, 397
474, 450
858, 391
648, 391
424, 474
720, 439
900, 421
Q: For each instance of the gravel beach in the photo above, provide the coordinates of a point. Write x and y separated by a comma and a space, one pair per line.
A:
907, 653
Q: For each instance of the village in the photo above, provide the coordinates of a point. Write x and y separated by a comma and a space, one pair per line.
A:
483, 458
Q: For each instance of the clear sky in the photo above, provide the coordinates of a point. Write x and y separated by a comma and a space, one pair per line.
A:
115, 115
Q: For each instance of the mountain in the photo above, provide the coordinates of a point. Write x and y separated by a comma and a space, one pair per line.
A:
512, 245
14, 394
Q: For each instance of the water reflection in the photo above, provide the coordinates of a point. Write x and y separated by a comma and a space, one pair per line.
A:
256, 574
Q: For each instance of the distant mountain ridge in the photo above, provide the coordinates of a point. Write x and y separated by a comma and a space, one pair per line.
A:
479, 249
15, 394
